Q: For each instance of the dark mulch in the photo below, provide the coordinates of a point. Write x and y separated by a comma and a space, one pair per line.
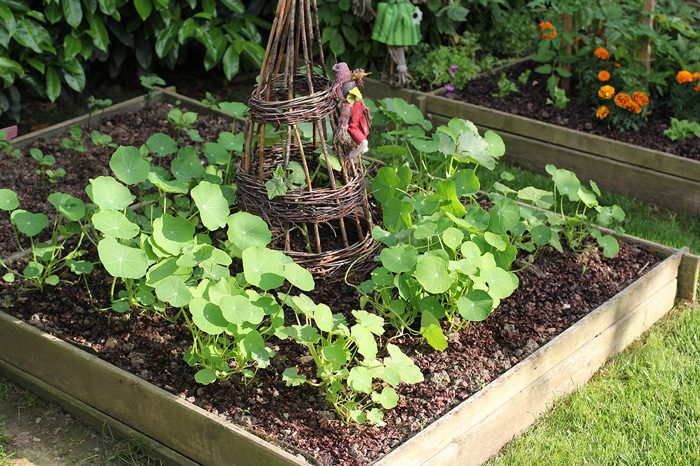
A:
125, 129
531, 102
544, 305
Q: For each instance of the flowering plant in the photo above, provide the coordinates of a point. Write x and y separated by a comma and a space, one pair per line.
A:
685, 95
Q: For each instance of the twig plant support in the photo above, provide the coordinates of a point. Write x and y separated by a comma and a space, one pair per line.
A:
310, 193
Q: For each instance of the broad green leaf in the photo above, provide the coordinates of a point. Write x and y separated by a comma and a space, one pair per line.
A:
372, 322
501, 282
207, 316
161, 144
205, 376
299, 276
231, 142
541, 234
497, 241
172, 233
566, 182
388, 398
8, 200
400, 258
400, 368
246, 230
475, 306
236, 109
610, 245
212, 205
28, 223
33, 270
292, 378
238, 310
122, 261
366, 344
360, 379
115, 224
174, 291
109, 194
143, 8
323, 316
81, 267
504, 215
432, 332
187, 164
336, 354
178, 186
263, 268
466, 183
452, 237
70, 207
375, 416
9, 277
254, 347
216, 153
433, 275
129, 166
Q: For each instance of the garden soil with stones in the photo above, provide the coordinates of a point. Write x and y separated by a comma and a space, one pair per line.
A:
559, 291
531, 101
131, 129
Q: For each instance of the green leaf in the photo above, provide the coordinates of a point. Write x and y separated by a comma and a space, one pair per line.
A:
231, 62
187, 165
53, 84
207, 316
336, 354
496, 241
172, 233
566, 182
9, 277
246, 230
323, 316
263, 268
128, 165
70, 207
174, 291
254, 347
81, 267
433, 275
237, 109
205, 376
452, 237
501, 282
72, 12
541, 234
161, 144
400, 258
375, 416
388, 398
238, 310
8, 200
475, 306
122, 261
109, 194
33, 270
432, 332
120, 307
115, 224
366, 344
28, 223
504, 215
212, 205
360, 379
143, 8
292, 377
299, 276
216, 153
178, 186
400, 368
610, 245
74, 75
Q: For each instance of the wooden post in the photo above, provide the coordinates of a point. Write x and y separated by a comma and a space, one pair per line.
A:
568, 20
647, 19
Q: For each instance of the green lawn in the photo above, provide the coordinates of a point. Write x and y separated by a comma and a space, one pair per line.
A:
643, 220
642, 408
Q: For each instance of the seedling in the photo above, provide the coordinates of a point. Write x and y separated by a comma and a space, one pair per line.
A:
149, 82
75, 140
45, 162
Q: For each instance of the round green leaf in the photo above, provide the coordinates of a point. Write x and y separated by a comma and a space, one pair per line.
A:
292, 377
496, 241
360, 379
254, 347
246, 230
366, 344
81, 267
174, 291
388, 398
9, 277
336, 354
28, 223
433, 275
187, 165
33, 270
400, 258
299, 276
161, 144
610, 245
205, 376
452, 237
115, 224
541, 234
207, 316
52, 280
172, 234
216, 153
128, 165
212, 205
501, 282
122, 261
475, 306
263, 267
8, 200
70, 207
238, 310
109, 194
504, 215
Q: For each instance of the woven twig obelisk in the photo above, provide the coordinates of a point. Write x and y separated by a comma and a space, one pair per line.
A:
324, 222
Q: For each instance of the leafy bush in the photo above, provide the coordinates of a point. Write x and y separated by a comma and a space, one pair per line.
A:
683, 129
49, 46
511, 35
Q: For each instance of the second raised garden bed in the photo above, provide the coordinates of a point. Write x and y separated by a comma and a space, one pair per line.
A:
60, 347
649, 175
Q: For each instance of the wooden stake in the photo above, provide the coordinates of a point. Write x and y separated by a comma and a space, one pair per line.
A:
568, 19
648, 20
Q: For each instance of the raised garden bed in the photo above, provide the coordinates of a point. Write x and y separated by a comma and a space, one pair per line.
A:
654, 176
491, 383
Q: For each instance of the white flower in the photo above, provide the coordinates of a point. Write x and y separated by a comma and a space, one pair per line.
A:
417, 16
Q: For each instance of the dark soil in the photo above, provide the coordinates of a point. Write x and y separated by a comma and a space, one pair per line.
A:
531, 102
126, 129
565, 289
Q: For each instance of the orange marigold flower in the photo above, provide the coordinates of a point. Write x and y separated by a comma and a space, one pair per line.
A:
602, 112
617, 65
606, 92
696, 76
640, 98
634, 107
603, 76
697, 88
684, 77
548, 30
623, 100
601, 53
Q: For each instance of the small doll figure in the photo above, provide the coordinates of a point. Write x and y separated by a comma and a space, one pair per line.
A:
355, 120
397, 26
